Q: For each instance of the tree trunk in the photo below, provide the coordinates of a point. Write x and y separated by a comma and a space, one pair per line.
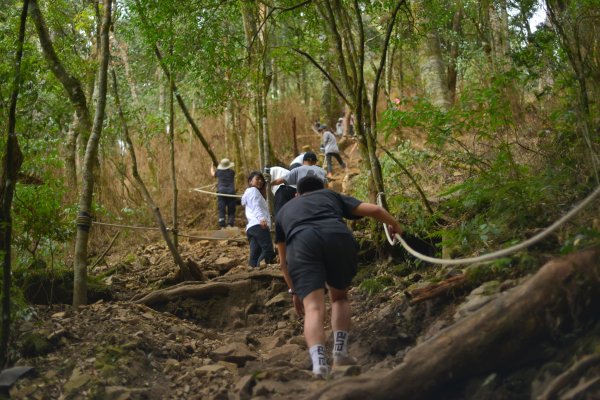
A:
171, 132
454, 52
183, 267
75, 93
91, 152
431, 63
11, 163
563, 294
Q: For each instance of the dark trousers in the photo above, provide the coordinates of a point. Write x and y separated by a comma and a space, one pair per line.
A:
261, 246
284, 194
226, 205
330, 164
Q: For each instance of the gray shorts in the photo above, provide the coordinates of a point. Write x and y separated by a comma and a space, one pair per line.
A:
315, 258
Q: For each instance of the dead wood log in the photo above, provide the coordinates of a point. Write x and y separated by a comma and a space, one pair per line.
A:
562, 294
437, 289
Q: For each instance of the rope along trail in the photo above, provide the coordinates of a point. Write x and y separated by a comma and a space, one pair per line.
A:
152, 228
496, 254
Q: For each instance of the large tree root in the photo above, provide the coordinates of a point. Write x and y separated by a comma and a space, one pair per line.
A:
563, 293
219, 287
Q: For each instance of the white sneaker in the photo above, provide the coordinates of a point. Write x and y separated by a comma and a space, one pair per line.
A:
343, 359
322, 372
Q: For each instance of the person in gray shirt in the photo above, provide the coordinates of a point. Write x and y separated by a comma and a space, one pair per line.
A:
308, 168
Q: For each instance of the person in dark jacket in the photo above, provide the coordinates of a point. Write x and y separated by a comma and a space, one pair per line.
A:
226, 185
317, 250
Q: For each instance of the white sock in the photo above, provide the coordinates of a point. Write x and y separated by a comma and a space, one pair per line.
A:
340, 343
317, 355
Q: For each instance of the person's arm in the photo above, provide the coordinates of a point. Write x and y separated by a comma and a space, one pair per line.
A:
212, 170
298, 305
380, 214
277, 181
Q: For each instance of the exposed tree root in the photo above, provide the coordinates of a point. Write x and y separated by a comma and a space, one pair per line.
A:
203, 290
562, 293
570, 376
437, 289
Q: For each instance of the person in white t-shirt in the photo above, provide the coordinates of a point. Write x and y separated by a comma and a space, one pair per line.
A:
297, 162
282, 193
259, 221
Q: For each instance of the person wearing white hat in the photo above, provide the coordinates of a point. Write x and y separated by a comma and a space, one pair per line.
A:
225, 184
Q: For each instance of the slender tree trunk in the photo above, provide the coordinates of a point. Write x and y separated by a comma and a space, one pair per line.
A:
11, 164
171, 131
454, 52
185, 110
70, 156
91, 152
431, 63
183, 267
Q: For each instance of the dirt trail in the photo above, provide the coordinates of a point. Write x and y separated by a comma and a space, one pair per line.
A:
245, 341
233, 336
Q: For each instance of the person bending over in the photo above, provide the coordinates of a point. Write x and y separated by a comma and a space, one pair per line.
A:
317, 250
308, 168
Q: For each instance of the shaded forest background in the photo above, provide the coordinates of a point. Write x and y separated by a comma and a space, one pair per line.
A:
479, 122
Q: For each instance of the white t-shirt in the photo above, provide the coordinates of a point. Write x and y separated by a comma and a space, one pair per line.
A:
276, 173
298, 160
256, 207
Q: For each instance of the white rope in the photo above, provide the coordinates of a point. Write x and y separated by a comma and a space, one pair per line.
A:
498, 253
151, 228
237, 196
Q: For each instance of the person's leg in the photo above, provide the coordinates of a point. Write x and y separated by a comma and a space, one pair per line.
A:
314, 331
341, 314
263, 238
339, 160
255, 248
341, 264
329, 164
221, 208
231, 211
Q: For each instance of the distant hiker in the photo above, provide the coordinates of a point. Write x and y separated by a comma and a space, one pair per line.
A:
296, 162
225, 184
339, 127
331, 149
308, 168
282, 193
259, 221
317, 250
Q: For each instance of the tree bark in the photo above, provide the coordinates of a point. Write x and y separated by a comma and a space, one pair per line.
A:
562, 295
171, 133
91, 153
431, 63
11, 163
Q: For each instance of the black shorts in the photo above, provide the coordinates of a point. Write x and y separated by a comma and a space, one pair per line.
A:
315, 258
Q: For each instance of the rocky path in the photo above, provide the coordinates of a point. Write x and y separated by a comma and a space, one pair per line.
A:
245, 343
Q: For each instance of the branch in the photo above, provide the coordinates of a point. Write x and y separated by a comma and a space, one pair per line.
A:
412, 178
71, 84
379, 71
320, 68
